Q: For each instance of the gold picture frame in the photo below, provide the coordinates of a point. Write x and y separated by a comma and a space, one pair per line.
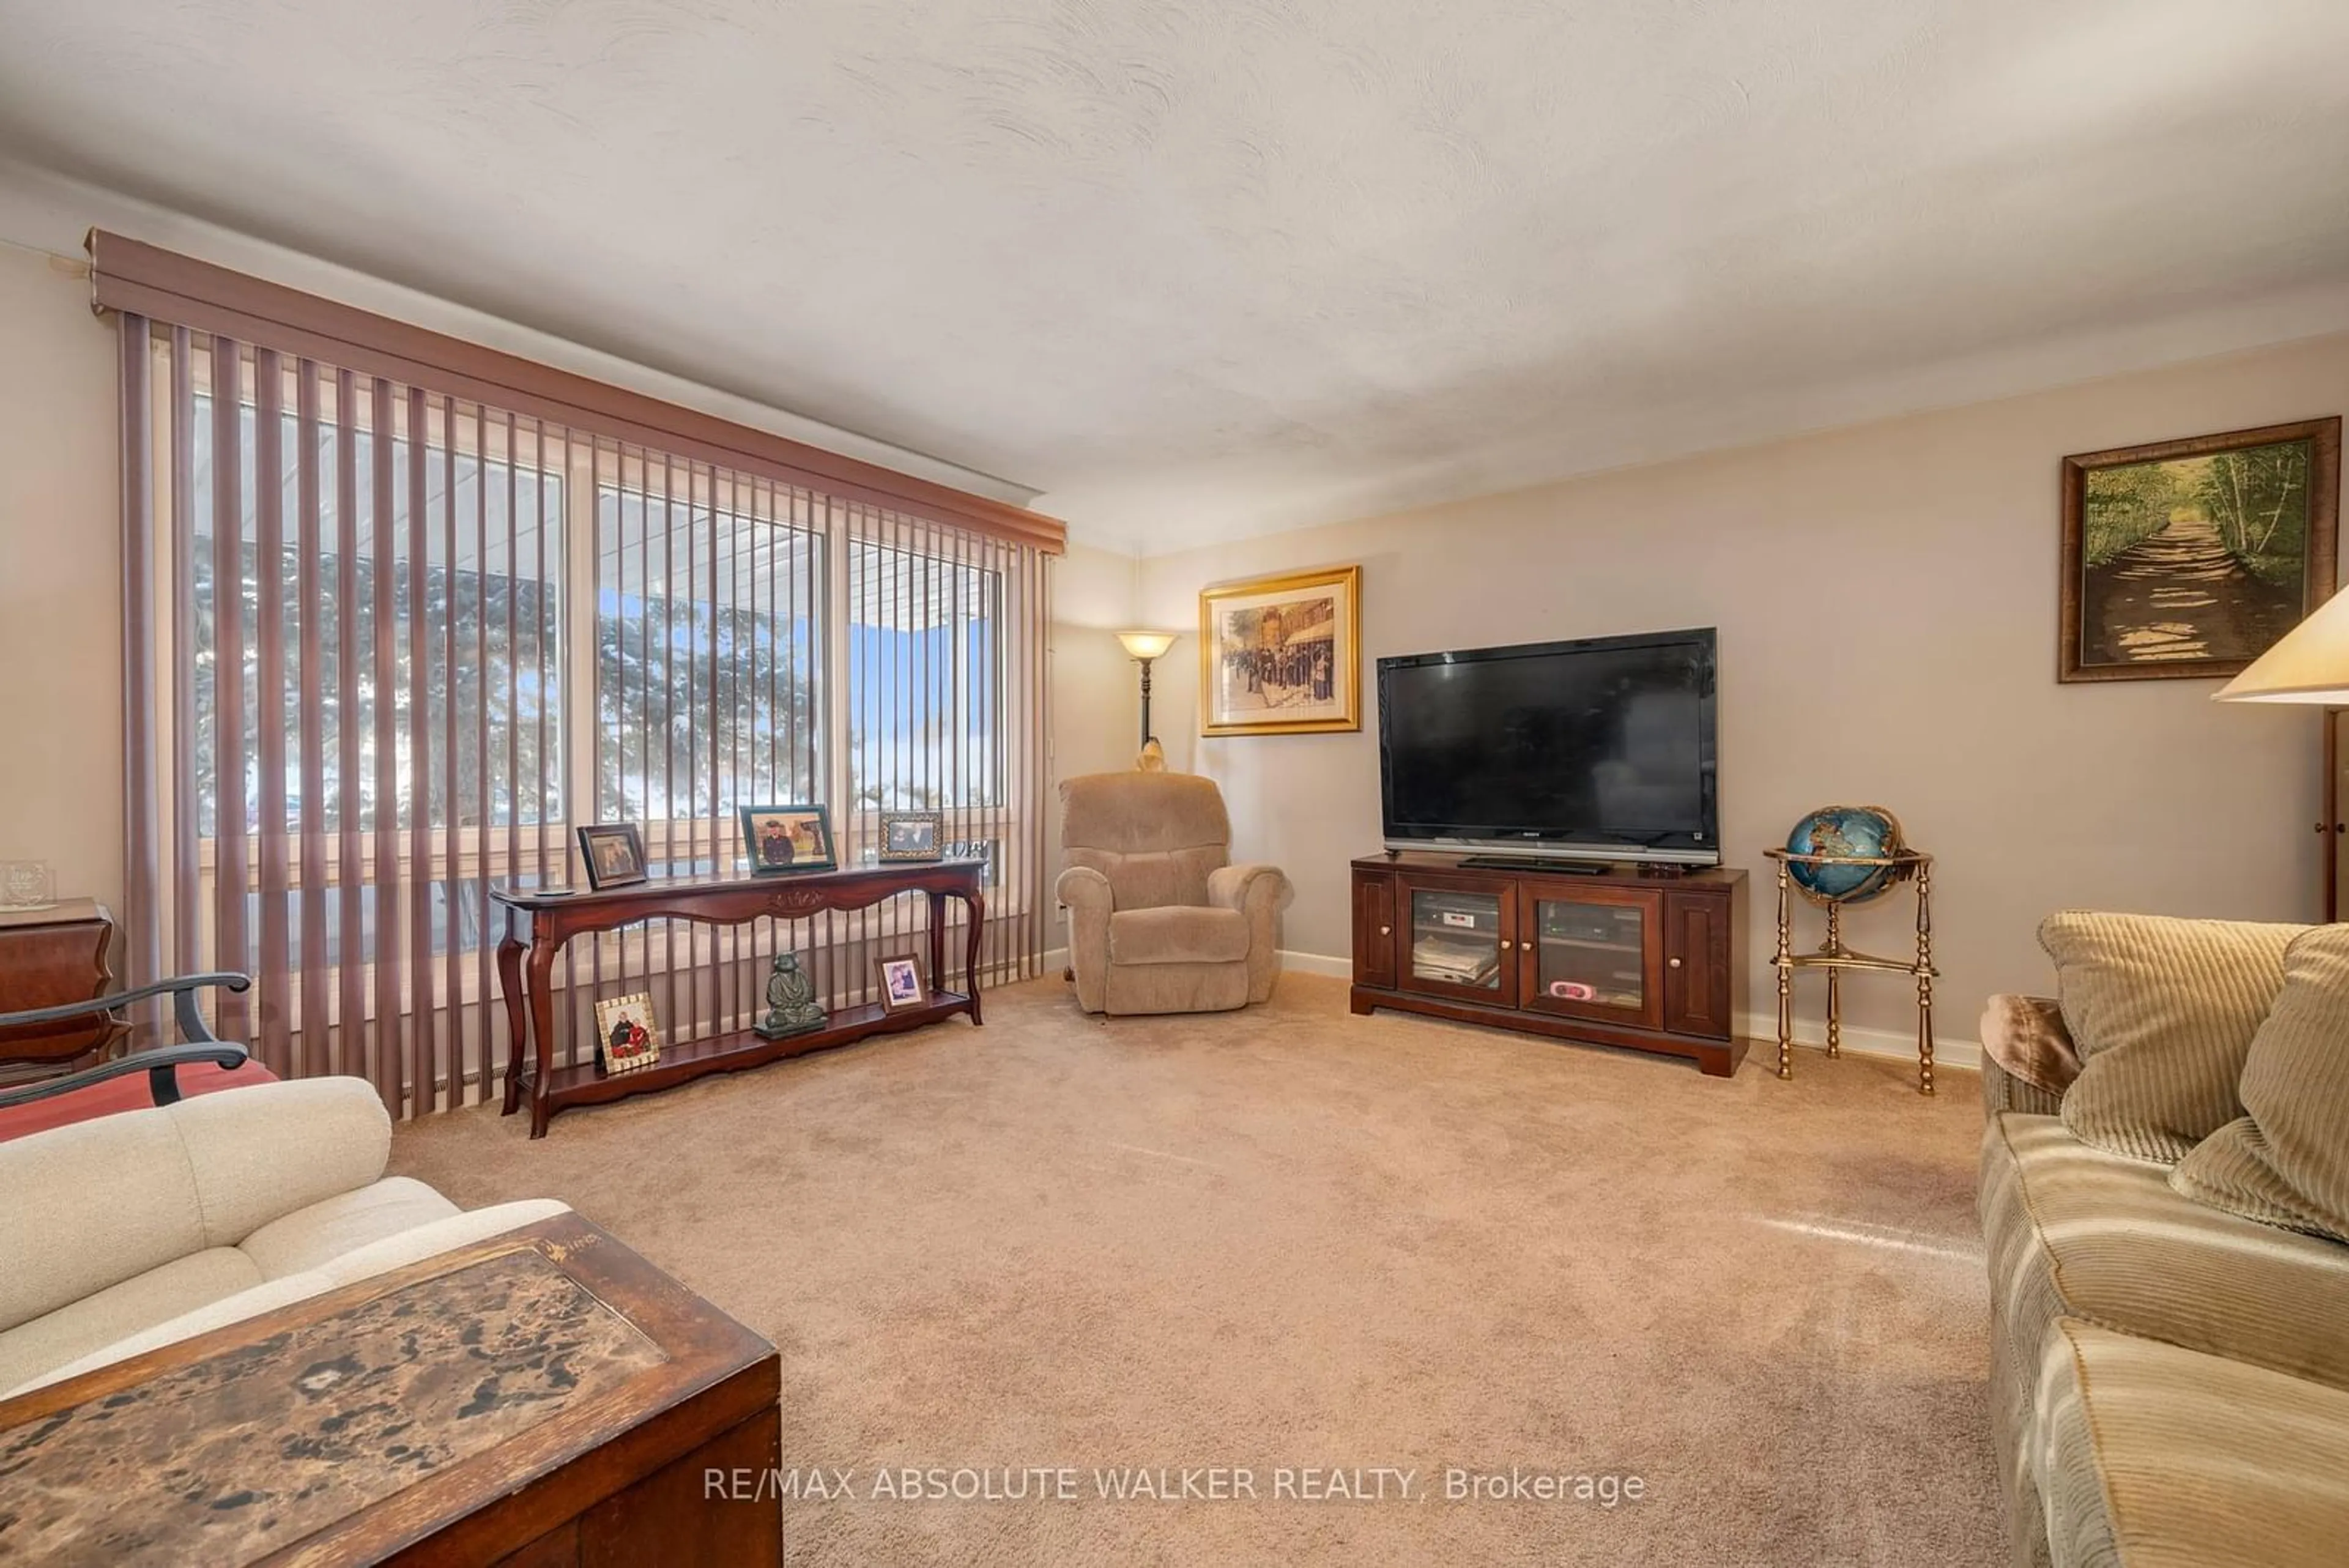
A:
1282, 655
912, 835
627, 1033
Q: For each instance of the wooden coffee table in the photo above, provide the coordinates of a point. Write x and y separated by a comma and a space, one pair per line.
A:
539, 1398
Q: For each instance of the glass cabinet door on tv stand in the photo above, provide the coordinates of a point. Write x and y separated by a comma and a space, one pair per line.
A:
1459, 939
1591, 952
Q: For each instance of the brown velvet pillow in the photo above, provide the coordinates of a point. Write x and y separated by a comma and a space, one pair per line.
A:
2286, 1161
2026, 1036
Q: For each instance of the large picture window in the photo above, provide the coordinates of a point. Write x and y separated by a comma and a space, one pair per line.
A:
401, 643
924, 680
472, 604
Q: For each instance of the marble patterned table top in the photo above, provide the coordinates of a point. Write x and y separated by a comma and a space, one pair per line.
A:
229, 1459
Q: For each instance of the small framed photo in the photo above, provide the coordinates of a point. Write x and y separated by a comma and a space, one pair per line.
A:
911, 835
901, 982
615, 854
627, 1033
788, 839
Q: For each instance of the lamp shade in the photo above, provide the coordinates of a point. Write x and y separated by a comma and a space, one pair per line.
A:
2310, 665
1146, 644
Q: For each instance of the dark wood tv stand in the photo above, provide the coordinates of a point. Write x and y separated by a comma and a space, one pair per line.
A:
1623, 957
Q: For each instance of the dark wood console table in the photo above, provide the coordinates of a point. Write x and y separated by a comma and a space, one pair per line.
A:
1623, 957
539, 922
538, 1398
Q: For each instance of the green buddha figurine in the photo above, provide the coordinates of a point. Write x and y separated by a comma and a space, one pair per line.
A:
792, 1006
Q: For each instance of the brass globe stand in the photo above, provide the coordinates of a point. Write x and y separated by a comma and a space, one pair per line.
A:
1909, 865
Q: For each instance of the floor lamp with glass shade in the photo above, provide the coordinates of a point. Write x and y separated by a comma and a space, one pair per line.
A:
2310, 666
1143, 647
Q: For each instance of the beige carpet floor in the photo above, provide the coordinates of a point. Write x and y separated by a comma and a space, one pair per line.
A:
1292, 1240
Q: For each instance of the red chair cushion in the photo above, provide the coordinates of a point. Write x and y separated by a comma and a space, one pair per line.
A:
128, 1092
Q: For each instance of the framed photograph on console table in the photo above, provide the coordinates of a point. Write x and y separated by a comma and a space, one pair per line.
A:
1282, 656
910, 834
2188, 559
902, 988
788, 839
615, 854
627, 1033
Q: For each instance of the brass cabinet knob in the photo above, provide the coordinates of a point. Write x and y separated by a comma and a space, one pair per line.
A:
1386, 930
1506, 944
1672, 963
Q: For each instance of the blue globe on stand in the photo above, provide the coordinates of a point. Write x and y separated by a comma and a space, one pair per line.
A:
1869, 832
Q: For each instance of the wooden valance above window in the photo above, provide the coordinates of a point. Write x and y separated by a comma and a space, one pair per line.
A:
145, 280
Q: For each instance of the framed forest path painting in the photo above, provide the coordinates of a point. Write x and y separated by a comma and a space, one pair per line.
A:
2190, 558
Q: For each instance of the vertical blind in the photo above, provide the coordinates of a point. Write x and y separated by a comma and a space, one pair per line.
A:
387, 647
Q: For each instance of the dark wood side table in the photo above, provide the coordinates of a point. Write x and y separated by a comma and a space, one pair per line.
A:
544, 1396
540, 921
47, 958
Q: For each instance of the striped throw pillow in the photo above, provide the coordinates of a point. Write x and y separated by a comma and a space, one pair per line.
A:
2163, 1012
2286, 1161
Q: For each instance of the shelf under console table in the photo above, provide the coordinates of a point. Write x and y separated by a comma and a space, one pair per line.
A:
539, 922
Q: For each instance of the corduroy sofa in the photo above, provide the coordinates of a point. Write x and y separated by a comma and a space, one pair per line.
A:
2170, 1382
130, 1231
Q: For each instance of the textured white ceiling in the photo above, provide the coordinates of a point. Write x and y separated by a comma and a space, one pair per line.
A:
1202, 268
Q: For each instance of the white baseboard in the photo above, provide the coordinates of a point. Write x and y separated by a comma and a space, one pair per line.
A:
1759, 1027
1053, 960
1762, 1028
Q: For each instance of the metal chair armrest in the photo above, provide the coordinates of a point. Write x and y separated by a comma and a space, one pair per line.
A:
181, 990
158, 1065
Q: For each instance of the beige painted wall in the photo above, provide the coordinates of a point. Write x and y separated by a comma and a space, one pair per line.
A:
1096, 691
1926, 683
60, 618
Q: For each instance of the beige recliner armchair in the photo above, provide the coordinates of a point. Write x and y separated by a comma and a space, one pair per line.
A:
1158, 921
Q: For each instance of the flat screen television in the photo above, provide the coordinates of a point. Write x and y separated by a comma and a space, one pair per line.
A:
1600, 749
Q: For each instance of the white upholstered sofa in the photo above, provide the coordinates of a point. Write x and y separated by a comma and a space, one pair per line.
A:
132, 1230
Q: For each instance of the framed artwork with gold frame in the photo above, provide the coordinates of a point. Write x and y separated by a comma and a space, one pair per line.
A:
1282, 655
